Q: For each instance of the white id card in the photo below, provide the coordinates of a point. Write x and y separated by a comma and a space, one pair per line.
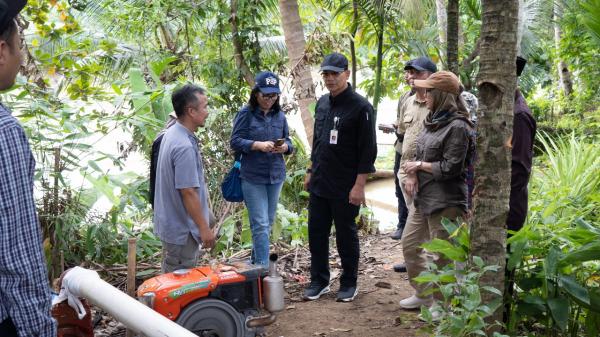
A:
333, 137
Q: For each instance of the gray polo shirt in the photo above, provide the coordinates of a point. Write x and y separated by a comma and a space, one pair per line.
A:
179, 166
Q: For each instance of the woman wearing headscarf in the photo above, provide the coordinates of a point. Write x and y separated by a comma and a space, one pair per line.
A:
437, 175
261, 135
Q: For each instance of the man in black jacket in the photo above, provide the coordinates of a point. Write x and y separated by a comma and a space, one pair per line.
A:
343, 154
524, 127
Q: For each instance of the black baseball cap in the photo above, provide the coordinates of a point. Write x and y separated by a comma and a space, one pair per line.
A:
8, 11
267, 82
334, 62
422, 63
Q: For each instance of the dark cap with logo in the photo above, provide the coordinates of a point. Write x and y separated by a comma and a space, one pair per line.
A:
421, 64
8, 11
267, 83
334, 62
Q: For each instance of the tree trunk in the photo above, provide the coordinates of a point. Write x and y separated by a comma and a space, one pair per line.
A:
238, 48
352, 46
452, 48
442, 19
467, 65
299, 68
497, 84
378, 67
564, 75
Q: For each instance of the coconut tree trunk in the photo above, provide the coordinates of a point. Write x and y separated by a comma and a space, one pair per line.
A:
564, 75
238, 49
378, 67
497, 84
452, 48
352, 46
442, 19
300, 69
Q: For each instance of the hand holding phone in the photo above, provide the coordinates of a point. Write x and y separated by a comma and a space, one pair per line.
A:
386, 128
279, 142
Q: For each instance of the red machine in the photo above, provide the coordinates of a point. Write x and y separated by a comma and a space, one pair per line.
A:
69, 325
221, 301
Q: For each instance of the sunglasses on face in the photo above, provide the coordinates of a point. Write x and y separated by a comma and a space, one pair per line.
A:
269, 96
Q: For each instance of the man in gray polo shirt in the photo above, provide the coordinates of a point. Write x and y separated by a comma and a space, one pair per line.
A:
181, 213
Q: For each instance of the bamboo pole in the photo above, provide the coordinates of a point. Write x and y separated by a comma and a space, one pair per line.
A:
131, 268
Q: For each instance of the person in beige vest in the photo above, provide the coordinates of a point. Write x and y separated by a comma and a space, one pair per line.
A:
412, 113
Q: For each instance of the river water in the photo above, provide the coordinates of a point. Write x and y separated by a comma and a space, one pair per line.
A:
381, 198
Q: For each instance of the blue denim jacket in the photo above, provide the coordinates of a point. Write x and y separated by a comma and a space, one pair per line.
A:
252, 125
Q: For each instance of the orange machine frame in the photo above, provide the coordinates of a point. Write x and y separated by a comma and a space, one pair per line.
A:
174, 291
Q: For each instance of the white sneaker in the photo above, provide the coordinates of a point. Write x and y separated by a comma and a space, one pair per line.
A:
436, 316
414, 302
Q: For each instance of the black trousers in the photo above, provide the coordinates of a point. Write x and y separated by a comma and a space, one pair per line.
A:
7, 329
402, 210
321, 213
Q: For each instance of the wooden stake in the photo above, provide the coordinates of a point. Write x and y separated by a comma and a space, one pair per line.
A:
131, 271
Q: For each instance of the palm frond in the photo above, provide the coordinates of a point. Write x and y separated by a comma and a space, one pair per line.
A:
472, 8
273, 45
590, 17
372, 11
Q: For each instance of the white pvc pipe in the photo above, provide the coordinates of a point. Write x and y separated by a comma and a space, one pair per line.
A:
136, 316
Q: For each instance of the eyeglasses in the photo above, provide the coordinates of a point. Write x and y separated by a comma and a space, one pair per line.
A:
326, 74
269, 96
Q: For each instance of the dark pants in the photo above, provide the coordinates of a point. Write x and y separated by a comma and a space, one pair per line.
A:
7, 329
402, 210
321, 213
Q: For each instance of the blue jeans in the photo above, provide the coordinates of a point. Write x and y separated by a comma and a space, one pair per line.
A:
261, 202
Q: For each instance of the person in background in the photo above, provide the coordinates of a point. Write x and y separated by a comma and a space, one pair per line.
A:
524, 128
472, 104
24, 289
412, 113
436, 175
261, 135
343, 155
181, 212
154, 154
402, 209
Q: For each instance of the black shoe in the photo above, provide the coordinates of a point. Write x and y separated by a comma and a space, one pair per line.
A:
347, 294
400, 268
396, 235
314, 291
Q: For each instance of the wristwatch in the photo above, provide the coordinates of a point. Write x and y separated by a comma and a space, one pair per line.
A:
419, 164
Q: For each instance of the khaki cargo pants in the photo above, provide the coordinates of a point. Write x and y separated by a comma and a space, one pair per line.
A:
418, 230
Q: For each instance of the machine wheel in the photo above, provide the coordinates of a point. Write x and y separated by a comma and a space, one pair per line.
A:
212, 318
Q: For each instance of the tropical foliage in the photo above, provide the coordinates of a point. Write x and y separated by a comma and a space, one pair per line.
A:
556, 257
98, 71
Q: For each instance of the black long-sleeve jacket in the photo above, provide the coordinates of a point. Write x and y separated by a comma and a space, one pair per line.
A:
524, 127
335, 166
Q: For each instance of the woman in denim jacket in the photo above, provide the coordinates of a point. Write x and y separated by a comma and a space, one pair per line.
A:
261, 136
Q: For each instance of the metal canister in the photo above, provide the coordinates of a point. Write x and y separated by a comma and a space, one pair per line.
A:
273, 293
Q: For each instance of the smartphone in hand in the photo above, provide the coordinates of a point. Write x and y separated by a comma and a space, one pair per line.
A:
279, 142
386, 128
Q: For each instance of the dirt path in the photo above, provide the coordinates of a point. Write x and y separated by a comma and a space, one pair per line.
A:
375, 311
